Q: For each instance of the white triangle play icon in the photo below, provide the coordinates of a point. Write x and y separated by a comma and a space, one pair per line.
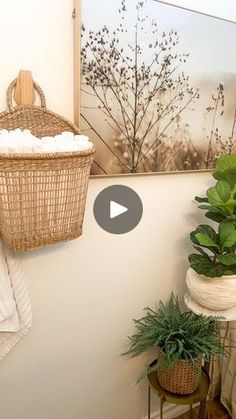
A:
116, 209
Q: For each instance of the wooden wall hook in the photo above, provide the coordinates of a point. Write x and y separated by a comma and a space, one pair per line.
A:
24, 92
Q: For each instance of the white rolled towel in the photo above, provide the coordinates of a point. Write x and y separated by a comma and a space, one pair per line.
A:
18, 141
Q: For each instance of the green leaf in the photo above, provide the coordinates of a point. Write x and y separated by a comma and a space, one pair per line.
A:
203, 266
219, 194
230, 177
214, 198
200, 250
205, 240
228, 259
211, 208
225, 231
226, 162
231, 270
210, 233
208, 230
215, 217
231, 217
223, 189
230, 241
230, 205
199, 199
226, 169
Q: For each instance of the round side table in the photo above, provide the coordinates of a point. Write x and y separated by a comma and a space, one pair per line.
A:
165, 396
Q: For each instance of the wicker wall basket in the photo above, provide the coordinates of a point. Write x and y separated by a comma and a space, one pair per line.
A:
42, 196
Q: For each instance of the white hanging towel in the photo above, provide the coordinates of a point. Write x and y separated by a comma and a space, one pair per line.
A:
15, 308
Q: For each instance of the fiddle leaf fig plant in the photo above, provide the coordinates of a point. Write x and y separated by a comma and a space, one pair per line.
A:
216, 247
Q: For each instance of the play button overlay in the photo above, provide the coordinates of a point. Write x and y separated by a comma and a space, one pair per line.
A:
118, 209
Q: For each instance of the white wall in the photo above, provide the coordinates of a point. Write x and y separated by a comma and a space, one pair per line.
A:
37, 35
85, 293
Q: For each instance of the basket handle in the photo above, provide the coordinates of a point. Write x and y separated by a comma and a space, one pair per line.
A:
12, 87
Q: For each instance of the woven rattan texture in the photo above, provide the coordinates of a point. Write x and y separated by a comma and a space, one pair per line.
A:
182, 378
42, 196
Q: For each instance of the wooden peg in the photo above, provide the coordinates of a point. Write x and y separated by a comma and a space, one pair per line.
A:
24, 92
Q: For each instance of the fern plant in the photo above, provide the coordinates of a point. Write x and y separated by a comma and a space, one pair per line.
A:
181, 335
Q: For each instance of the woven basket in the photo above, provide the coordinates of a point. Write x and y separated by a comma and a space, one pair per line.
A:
42, 196
182, 378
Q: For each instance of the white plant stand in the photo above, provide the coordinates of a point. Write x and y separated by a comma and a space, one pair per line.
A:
226, 315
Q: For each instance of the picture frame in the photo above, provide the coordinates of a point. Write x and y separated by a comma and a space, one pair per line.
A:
77, 46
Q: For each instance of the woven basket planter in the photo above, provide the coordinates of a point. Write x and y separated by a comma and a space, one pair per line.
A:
182, 378
42, 196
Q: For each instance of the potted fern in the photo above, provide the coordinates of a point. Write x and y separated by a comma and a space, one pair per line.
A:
182, 339
211, 278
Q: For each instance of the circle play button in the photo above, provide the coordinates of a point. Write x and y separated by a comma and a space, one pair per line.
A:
118, 209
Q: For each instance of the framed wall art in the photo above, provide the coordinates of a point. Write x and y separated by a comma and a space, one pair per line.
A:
157, 86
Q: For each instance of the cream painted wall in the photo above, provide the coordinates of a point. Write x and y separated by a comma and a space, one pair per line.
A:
37, 35
85, 293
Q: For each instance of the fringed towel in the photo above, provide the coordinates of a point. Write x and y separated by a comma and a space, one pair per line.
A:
15, 308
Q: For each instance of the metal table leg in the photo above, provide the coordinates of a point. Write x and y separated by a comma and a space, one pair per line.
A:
162, 404
149, 402
202, 409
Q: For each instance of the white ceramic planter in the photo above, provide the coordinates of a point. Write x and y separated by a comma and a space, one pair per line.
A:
212, 293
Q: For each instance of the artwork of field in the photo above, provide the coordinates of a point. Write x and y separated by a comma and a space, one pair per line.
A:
158, 88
